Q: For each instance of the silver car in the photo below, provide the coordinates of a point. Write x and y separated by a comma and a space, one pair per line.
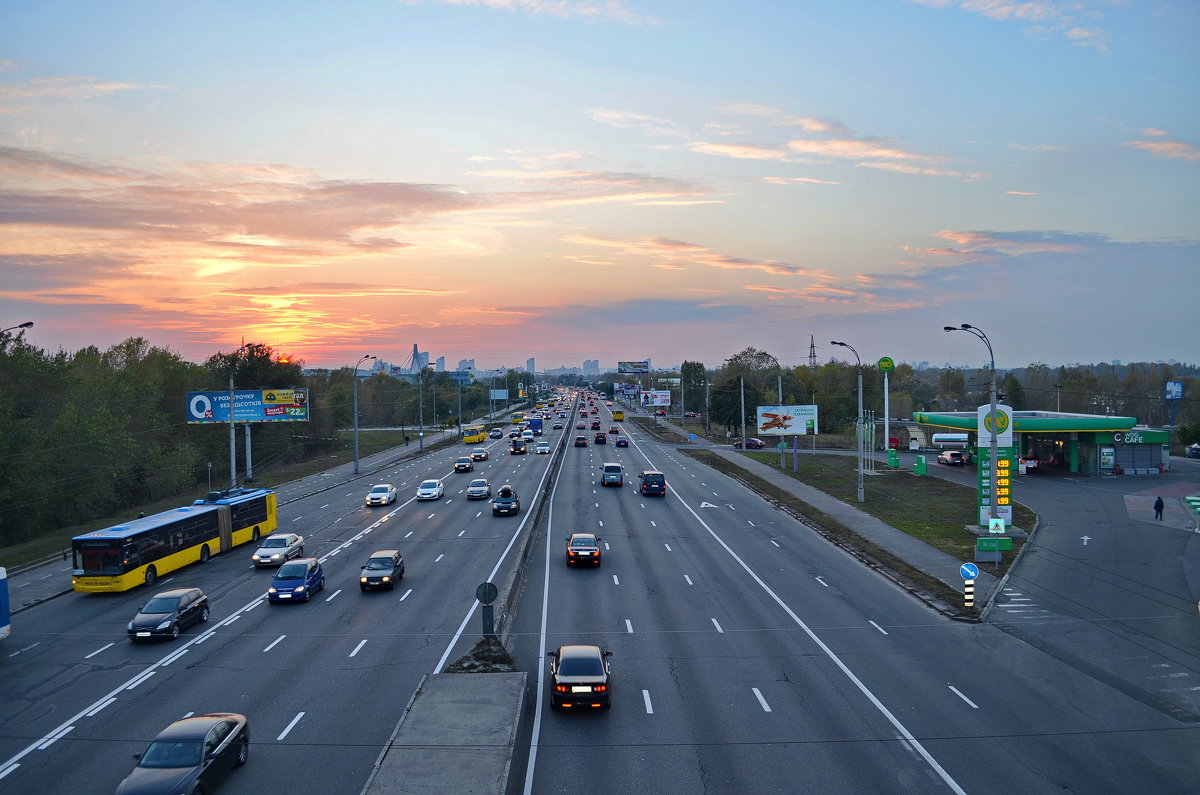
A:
381, 494
430, 490
479, 489
277, 549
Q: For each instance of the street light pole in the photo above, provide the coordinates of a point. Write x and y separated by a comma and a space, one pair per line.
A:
26, 324
993, 511
356, 366
858, 425
249, 346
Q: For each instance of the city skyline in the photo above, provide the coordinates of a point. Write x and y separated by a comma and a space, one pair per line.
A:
486, 178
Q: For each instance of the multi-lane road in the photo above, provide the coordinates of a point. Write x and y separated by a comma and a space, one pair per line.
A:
748, 654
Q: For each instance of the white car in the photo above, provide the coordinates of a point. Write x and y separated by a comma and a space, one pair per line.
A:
381, 494
543, 448
277, 549
430, 490
479, 489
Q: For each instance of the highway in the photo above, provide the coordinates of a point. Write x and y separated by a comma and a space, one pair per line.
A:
748, 654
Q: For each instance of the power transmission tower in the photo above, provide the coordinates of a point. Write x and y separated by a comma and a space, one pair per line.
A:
812, 352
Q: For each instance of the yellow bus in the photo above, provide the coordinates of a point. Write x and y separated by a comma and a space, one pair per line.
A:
517, 417
140, 551
618, 414
474, 434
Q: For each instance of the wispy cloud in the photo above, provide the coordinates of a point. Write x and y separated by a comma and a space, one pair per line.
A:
663, 252
628, 120
1039, 17
72, 88
1178, 150
590, 10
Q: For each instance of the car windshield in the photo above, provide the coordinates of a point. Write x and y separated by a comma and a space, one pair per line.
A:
292, 571
164, 605
429, 484
654, 479
172, 753
274, 543
583, 542
379, 563
379, 490
478, 484
581, 666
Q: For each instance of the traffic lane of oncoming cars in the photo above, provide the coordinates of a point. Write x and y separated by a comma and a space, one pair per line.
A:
278, 548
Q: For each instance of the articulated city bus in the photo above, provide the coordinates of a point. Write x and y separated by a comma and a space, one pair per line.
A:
140, 551
474, 434
5, 624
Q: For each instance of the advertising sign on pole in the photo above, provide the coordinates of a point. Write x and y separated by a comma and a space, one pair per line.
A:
498, 394
786, 420
633, 367
249, 405
656, 397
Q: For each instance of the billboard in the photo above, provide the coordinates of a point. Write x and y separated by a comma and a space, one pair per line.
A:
626, 389
655, 397
785, 420
498, 394
1174, 390
633, 367
249, 405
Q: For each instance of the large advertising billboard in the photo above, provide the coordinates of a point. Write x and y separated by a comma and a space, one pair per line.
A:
249, 405
633, 367
498, 394
656, 397
786, 420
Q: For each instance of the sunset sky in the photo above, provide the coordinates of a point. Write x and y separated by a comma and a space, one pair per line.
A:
612, 179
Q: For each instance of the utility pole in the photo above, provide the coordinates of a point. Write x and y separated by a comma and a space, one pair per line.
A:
742, 384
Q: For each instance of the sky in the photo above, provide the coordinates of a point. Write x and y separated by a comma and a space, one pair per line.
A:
614, 179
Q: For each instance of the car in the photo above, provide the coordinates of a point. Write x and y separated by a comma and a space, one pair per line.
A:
506, 501
527, 435
543, 448
608, 403
382, 570
381, 494
479, 489
167, 613
660, 413
652, 483
579, 677
1031, 462
479, 454
191, 755
557, 426
952, 458
613, 429
464, 464
430, 490
751, 444
278, 548
496, 433
517, 447
296, 581
600, 438
621, 442
583, 548
1193, 450
581, 441
595, 425
579, 426
691, 415
612, 474
514, 434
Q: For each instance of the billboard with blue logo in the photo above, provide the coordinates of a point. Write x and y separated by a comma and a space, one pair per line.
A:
249, 405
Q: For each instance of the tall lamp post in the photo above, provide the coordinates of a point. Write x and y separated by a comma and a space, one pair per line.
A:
993, 511
356, 366
26, 324
236, 357
858, 423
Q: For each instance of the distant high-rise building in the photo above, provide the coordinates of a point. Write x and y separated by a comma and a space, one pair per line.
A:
591, 367
466, 364
529, 365
439, 364
424, 356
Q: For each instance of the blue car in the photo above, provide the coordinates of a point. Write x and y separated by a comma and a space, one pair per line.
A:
296, 581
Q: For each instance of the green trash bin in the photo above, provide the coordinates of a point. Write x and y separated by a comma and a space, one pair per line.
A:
893, 458
919, 466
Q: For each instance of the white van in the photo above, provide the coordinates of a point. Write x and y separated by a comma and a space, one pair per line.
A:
611, 474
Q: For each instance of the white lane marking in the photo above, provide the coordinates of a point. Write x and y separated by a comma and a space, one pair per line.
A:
101, 706
137, 680
205, 636
460, 532
335, 593
439, 557
762, 701
602, 524
326, 505
881, 629
290, 726
54, 738
958, 693
9, 768
361, 643
718, 626
628, 626
731, 508
406, 593
776, 543
615, 580
646, 698
170, 658
410, 532
430, 516
281, 637
597, 505
818, 579
653, 524
668, 546
479, 514
97, 651
688, 579
606, 547
752, 524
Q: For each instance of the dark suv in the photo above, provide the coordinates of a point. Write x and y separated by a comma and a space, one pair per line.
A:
506, 501
517, 447
652, 483
169, 612
384, 568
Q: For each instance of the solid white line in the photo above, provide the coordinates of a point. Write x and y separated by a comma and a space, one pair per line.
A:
881, 629
9, 768
718, 626
97, 651
615, 580
406, 593
688, 579
290, 726
55, 738
628, 625
964, 698
646, 698
439, 557
818, 579
281, 637
762, 701
361, 643
335, 593
430, 516
100, 706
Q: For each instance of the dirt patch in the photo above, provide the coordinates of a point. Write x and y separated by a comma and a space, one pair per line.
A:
488, 657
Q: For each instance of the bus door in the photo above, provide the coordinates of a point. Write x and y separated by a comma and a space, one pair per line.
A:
225, 527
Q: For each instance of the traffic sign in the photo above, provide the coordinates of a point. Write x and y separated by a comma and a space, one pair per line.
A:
993, 544
886, 363
691, 437
487, 592
996, 524
969, 571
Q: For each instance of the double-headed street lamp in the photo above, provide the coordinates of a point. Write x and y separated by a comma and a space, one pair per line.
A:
993, 512
356, 366
858, 424
234, 358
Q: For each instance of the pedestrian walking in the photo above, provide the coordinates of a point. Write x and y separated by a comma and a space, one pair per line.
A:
406, 441
1158, 508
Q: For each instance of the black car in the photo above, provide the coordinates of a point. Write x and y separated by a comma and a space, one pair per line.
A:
383, 570
579, 677
169, 612
517, 447
583, 548
652, 483
191, 755
751, 444
506, 501
581, 441
600, 438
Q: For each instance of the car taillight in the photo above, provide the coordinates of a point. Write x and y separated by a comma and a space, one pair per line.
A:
561, 689
599, 688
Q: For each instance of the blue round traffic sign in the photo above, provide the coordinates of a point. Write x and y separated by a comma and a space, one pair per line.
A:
969, 571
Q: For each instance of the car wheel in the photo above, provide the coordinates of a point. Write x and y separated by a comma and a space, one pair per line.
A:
243, 752
300, 554
204, 616
204, 554
151, 575
321, 585
307, 595
198, 790
175, 631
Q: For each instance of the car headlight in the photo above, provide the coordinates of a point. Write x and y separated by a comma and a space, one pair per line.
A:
362, 579
276, 555
164, 624
129, 626
387, 579
272, 590
300, 589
